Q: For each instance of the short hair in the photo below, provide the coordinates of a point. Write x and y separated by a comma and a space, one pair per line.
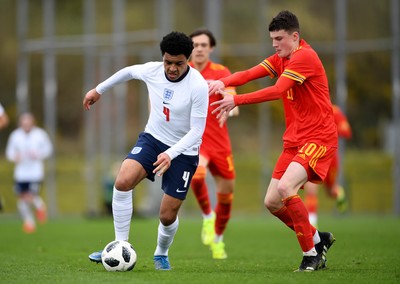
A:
204, 31
285, 20
176, 43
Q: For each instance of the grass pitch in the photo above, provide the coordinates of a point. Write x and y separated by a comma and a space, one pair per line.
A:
260, 250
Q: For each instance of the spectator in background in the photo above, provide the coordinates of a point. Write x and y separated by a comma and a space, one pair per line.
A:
28, 146
332, 188
215, 151
3, 124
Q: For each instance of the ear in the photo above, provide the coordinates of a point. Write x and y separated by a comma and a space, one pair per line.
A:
296, 36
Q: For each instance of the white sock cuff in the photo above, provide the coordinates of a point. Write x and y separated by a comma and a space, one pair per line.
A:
170, 228
121, 195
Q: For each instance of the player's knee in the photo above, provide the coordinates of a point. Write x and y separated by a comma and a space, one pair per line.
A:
285, 190
271, 205
200, 174
167, 219
123, 184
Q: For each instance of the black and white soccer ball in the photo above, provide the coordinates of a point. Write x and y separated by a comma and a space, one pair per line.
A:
118, 256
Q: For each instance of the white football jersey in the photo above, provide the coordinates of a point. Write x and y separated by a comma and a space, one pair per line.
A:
172, 104
28, 150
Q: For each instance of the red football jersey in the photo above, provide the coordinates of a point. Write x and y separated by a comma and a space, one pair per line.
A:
308, 109
215, 137
307, 105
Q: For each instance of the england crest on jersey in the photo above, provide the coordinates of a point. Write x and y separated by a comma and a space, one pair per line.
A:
168, 94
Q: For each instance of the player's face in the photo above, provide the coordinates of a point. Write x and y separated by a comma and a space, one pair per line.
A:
202, 49
284, 43
26, 122
174, 65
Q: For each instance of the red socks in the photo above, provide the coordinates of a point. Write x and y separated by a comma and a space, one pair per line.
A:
298, 213
223, 211
283, 215
200, 190
224, 201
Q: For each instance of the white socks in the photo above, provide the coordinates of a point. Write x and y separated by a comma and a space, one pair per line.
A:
122, 212
38, 202
165, 237
316, 238
313, 218
25, 211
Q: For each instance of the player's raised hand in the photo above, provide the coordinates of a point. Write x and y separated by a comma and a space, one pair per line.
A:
224, 106
215, 87
90, 98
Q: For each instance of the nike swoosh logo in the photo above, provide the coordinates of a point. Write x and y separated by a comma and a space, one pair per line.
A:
178, 190
165, 103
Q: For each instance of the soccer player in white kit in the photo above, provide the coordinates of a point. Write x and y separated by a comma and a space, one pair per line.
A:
27, 147
169, 145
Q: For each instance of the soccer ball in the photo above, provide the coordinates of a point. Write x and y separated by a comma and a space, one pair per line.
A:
118, 256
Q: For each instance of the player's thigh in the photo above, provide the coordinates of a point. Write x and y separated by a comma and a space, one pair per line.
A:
203, 160
294, 177
129, 175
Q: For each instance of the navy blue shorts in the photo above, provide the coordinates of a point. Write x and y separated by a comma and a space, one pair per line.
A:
176, 180
27, 187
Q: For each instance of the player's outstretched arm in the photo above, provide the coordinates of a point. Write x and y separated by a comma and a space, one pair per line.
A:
90, 98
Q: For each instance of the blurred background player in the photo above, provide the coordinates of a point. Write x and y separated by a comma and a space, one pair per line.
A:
3, 124
28, 146
215, 151
332, 188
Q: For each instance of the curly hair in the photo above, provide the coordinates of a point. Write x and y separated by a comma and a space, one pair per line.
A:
176, 43
285, 20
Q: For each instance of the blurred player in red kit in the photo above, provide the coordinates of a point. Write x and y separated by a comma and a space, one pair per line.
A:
215, 151
333, 189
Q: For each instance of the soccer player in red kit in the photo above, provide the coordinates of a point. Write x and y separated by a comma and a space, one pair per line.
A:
332, 188
310, 139
215, 151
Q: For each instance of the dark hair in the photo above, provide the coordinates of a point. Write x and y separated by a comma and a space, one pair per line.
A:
204, 31
176, 43
285, 20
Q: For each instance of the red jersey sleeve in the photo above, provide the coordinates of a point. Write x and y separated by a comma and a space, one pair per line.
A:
267, 94
242, 77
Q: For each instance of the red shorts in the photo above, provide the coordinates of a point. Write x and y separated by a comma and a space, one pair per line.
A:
220, 163
316, 160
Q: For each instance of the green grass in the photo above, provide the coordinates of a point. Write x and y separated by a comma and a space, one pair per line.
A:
260, 249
